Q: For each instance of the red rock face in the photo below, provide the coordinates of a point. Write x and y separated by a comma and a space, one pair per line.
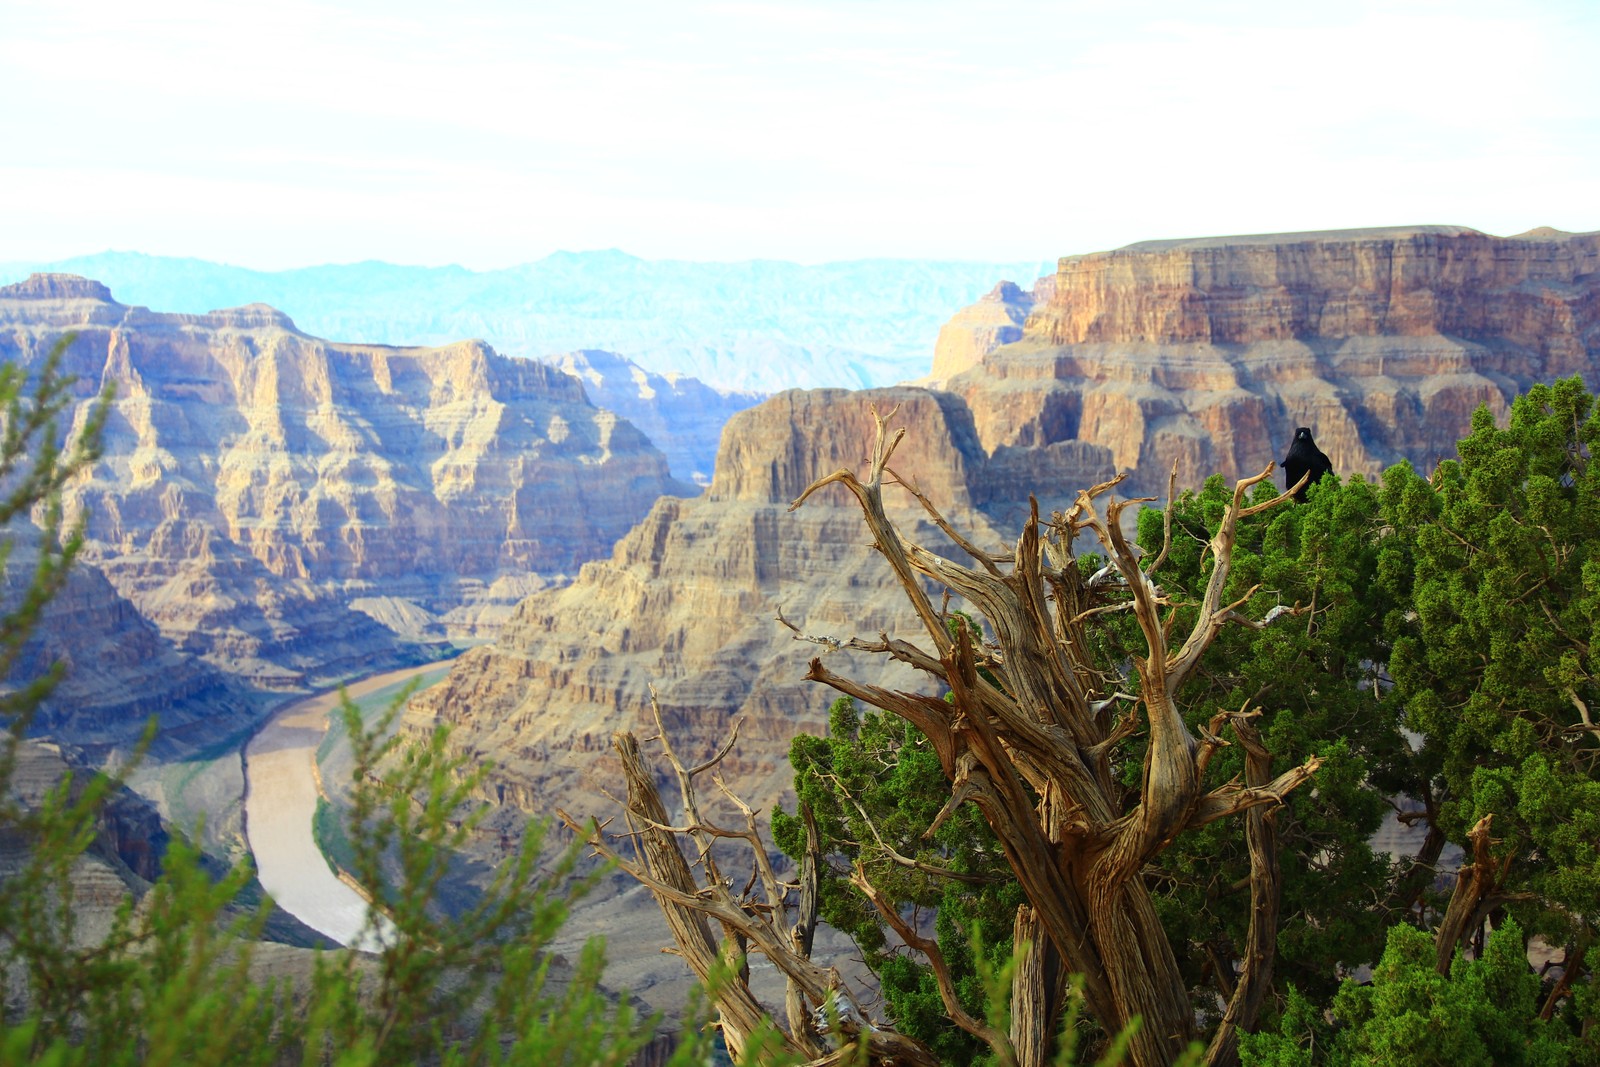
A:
975, 331
1211, 351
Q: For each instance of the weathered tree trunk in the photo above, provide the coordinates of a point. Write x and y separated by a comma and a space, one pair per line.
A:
741, 1014
1479, 891
1261, 944
1027, 736
803, 934
1033, 1008
749, 924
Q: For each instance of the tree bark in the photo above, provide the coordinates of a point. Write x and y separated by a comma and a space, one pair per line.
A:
739, 1011
1266, 884
1026, 737
1476, 884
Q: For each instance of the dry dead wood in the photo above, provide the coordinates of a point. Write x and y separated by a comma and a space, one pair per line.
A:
1031, 736
778, 920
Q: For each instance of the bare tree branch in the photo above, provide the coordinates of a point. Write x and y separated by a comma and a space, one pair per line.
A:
998, 1042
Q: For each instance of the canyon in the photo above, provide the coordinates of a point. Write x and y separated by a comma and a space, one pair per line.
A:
273, 512
1205, 354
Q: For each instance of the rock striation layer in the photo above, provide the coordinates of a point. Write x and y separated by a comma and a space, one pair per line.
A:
1211, 351
688, 602
257, 483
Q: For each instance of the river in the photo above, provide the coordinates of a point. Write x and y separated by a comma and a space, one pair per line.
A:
280, 803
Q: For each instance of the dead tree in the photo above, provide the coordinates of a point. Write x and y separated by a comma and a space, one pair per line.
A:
776, 920
1031, 734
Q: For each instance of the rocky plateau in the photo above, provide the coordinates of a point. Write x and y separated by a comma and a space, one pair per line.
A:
1209, 352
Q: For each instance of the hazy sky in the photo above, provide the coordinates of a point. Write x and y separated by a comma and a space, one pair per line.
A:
493, 133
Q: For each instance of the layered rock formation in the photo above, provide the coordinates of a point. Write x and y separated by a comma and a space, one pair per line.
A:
688, 603
1211, 351
119, 669
682, 416
977, 330
257, 482
764, 325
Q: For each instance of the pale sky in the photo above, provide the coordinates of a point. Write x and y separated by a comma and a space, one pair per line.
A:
494, 133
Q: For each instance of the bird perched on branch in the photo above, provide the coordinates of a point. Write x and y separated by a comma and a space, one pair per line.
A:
1304, 457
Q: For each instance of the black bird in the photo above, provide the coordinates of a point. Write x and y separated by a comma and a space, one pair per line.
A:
1304, 458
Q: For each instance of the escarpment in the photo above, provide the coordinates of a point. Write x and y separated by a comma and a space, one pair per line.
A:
688, 603
266, 499
980, 328
1211, 351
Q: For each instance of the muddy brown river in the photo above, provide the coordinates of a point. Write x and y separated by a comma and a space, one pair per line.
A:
280, 803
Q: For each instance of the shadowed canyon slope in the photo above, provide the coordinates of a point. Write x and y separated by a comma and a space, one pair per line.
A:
1210, 351
267, 498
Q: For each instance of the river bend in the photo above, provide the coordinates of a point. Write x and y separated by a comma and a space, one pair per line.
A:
281, 802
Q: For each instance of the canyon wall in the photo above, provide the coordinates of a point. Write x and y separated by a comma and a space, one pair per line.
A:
1211, 351
1208, 352
268, 501
688, 603
980, 328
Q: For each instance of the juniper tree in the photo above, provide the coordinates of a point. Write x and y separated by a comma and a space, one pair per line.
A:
1494, 569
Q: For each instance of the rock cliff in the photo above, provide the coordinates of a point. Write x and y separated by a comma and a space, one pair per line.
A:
977, 330
1211, 351
257, 482
682, 416
1205, 351
120, 670
688, 603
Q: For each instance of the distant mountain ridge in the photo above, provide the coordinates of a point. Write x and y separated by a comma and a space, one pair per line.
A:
757, 325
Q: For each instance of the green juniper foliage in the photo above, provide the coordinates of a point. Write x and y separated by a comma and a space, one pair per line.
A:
1496, 569
1432, 644
1484, 1014
877, 775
